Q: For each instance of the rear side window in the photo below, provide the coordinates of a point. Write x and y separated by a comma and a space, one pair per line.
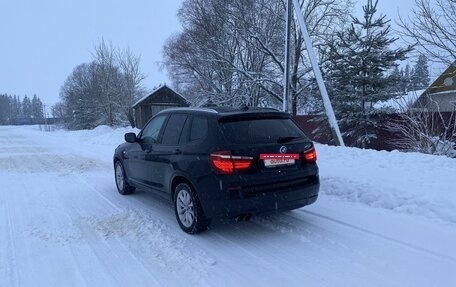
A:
261, 131
199, 128
173, 129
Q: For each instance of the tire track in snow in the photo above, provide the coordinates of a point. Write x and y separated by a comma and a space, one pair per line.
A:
379, 235
340, 249
10, 264
96, 241
150, 205
282, 223
52, 165
249, 239
159, 244
166, 222
58, 167
106, 252
318, 243
45, 165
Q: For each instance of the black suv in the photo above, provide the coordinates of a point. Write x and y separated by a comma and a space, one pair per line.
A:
220, 162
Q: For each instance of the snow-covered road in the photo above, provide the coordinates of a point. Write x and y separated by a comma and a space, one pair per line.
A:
62, 223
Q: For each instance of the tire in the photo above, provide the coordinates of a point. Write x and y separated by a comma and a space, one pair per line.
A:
189, 213
121, 180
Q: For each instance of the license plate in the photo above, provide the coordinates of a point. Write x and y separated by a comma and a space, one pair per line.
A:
278, 162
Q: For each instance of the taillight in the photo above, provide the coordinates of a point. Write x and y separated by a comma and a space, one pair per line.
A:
310, 155
225, 163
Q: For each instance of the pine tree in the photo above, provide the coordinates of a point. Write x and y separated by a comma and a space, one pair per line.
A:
396, 79
17, 109
11, 113
26, 108
420, 77
4, 109
361, 58
405, 83
37, 109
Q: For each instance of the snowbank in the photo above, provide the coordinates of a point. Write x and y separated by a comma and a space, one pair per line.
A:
411, 183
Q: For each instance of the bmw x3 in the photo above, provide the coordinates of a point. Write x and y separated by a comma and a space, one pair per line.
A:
220, 162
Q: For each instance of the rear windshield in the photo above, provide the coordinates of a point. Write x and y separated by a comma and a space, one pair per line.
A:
262, 131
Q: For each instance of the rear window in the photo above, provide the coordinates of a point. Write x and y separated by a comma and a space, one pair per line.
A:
261, 131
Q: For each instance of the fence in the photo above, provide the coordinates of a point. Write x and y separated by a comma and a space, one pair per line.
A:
318, 129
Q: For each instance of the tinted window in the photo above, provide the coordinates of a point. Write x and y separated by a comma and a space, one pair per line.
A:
150, 132
173, 129
260, 131
184, 138
199, 128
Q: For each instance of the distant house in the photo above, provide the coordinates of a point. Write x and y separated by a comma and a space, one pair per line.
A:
153, 102
441, 94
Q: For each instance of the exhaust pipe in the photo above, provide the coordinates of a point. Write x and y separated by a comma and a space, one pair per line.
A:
243, 217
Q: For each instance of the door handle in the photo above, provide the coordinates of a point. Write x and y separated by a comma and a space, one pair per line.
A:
177, 151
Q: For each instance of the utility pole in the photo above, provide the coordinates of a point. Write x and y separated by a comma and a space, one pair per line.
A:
286, 80
316, 68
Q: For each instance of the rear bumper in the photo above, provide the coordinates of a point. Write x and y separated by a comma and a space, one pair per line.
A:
265, 201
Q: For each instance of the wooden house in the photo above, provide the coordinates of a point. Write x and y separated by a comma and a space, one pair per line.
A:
153, 102
440, 96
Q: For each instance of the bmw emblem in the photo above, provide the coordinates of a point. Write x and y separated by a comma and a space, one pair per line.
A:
283, 149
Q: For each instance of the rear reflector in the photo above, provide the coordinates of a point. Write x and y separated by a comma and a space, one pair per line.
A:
225, 163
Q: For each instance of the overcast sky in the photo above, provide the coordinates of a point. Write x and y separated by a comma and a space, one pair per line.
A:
42, 41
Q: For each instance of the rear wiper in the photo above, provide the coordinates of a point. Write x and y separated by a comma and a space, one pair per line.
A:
287, 139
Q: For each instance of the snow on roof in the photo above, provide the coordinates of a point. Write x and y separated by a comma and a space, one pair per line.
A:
154, 91
401, 103
148, 94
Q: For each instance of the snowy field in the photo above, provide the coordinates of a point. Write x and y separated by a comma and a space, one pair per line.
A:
382, 219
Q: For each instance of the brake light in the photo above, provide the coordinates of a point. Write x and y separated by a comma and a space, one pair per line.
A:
225, 163
310, 155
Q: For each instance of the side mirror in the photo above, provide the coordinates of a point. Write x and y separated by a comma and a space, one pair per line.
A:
130, 138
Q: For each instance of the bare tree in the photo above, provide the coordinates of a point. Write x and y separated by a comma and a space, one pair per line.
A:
58, 112
103, 91
203, 59
432, 26
108, 79
82, 108
133, 78
232, 52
